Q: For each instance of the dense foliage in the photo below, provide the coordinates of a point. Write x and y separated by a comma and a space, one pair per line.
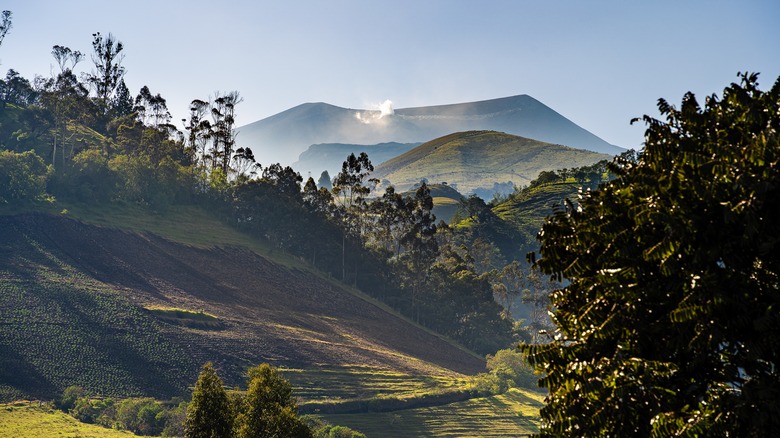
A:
266, 408
669, 325
209, 414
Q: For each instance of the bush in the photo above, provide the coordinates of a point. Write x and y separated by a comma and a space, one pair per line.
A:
69, 398
510, 365
22, 176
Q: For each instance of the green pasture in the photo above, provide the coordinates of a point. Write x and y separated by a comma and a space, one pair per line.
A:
25, 419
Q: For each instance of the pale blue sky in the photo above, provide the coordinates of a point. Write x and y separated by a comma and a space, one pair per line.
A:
599, 63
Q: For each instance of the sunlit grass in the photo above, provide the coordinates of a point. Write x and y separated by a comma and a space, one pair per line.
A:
343, 383
30, 419
515, 413
189, 318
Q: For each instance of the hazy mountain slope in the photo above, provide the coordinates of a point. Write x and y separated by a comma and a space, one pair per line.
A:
284, 136
478, 159
73, 310
519, 115
330, 156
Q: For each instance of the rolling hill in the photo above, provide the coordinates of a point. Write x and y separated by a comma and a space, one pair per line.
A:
282, 137
472, 160
131, 313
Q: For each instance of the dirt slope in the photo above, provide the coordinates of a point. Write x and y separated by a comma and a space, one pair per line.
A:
267, 313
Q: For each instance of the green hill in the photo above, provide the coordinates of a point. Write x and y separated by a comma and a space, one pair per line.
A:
526, 211
473, 160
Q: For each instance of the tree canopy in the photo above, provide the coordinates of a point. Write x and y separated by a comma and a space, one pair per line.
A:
669, 324
210, 414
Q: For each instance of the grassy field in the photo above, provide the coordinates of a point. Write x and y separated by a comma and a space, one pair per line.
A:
515, 413
29, 419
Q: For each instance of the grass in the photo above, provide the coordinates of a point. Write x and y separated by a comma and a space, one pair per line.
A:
359, 382
30, 419
515, 413
188, 318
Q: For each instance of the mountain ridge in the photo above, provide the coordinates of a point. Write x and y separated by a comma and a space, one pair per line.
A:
284, 136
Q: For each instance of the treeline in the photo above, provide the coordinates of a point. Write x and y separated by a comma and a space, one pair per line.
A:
84, 138
265, 408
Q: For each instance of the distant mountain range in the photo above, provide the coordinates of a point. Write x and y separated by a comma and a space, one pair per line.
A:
284, 136
474, 160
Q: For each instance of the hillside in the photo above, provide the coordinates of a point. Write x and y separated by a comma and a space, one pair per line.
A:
88, 305
330, 156
525, 212
473, 160
283, 136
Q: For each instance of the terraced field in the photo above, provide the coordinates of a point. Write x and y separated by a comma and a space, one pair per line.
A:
325, 384
515, 414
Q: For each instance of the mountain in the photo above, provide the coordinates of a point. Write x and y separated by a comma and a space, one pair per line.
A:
474, 160
282, 137
125, 313
330, 156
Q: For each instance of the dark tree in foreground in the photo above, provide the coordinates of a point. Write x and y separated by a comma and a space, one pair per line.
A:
209, 415
670, 325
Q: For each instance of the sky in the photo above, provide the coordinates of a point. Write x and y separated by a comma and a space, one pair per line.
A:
599, 63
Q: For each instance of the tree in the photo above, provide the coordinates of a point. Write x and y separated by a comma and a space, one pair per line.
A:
22, 176
5, 24
269, 409
420, 243
152, 109
108, 71
669, 325
122, 102
209, 415
16, 89
246, 166
349, 185
64, 56
223, 114
512, 279
199, 129
325, 181
349, 182
393, 215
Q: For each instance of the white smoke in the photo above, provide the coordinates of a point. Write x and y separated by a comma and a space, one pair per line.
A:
376, 113
386, 108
